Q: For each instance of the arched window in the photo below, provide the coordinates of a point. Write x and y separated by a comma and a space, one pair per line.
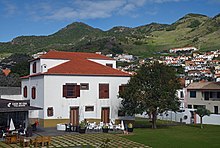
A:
33, 92
25, 91
34, 68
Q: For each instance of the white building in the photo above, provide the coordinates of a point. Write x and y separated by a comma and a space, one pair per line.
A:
183, 49
73, 86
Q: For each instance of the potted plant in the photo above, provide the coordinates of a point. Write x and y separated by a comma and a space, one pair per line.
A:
130, 127
82, 127
105, 128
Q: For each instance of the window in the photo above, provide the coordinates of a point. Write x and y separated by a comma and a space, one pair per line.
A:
122, 88
206, 97
215, 109
84, 86
199, 106
33, 93
71, 91
89, 108
189, 106
25, 91
181, 94
34, 68
109, 65
103, 91
213, 94
218, 94
121, 113
192, 94
50, 111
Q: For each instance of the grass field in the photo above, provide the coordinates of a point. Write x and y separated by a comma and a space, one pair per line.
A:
181, 136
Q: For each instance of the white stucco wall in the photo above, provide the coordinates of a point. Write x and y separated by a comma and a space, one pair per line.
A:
49, 63
42, 65
53, 87
104, 62
37, 66
38, 83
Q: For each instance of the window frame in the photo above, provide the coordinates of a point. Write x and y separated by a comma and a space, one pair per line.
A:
87, 108
50, 112
191, 95
25, 91
71, 88
104, 90
34, 67
33, 92
86, 85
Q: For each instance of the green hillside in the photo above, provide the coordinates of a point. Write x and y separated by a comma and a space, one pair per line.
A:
191, 30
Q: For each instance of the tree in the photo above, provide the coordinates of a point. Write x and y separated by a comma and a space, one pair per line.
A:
152, 90
202, 111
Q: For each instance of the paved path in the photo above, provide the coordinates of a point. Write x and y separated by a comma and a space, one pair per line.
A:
86, 140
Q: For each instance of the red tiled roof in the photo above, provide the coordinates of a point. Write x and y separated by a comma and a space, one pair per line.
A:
79, 64
72, 55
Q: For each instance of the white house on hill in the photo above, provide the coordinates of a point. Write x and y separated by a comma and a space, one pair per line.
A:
73, 86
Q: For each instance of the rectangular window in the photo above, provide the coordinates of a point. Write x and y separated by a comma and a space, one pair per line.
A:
84, 86
181, 94
50, 111
103, 91
25, 92
122, 88
109, 65
206, 95
199, 106
218, 94
89, 108
121, 113
71, 90
192, 94
213, 94
189, 106
215, 109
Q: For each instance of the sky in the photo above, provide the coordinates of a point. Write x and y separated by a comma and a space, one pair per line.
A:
45, 17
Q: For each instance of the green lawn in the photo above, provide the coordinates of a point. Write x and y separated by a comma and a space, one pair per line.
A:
185, 136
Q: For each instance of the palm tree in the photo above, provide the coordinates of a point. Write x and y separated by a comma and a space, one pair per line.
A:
202, 111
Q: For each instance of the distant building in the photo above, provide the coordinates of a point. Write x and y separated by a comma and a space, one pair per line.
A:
205, 94
183, 49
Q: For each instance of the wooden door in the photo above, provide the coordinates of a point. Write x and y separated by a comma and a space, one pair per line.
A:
105, 115
74, 116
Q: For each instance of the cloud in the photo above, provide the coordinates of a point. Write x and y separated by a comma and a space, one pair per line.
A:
9, 8
88, 9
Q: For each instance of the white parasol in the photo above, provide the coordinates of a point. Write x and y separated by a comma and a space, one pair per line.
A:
12, 126
122, 125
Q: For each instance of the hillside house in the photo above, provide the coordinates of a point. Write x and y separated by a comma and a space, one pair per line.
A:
205, 94
73, 86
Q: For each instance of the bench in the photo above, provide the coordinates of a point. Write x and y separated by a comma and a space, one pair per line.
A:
41, 141
24, 142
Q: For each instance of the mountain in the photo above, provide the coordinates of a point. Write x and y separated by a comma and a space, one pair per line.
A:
190, 30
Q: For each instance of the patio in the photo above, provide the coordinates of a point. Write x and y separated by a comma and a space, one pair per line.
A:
73, 139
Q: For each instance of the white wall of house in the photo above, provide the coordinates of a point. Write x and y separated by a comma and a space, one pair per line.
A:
49, 90
37, 66
104, 62
89, 97
49, 63
42, 65
38, 83
199, 100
